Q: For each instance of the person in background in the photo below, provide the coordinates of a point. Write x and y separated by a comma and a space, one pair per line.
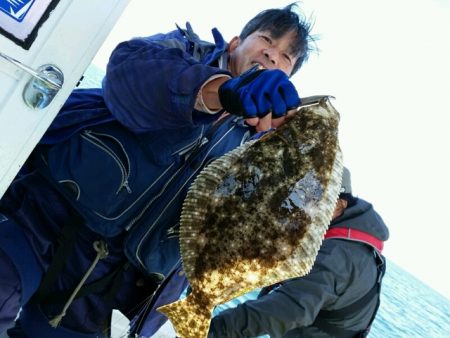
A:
91, 222
338, 298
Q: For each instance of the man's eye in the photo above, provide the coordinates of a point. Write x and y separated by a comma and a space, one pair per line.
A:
287, 58
266, 38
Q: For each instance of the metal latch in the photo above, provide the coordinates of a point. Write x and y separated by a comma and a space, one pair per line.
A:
45, 83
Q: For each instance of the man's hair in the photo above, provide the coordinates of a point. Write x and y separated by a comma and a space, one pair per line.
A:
351, 200
278, 22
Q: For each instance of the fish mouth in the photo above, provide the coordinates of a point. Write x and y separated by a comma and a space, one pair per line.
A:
312, 100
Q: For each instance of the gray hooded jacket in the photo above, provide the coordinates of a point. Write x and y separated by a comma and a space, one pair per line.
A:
344, 271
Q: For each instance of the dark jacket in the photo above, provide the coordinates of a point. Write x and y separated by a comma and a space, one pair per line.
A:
344, 271
152, 83
98, 161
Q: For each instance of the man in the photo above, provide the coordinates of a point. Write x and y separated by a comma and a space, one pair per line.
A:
338, 298
91, 223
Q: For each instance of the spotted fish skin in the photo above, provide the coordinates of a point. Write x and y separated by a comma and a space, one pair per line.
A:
258, 215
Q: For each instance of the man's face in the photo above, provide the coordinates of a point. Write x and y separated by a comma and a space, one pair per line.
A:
260, 48
341, 205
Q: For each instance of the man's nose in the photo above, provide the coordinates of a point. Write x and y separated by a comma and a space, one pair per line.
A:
272, 55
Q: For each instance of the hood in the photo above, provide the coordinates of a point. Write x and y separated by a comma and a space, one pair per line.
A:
363, 217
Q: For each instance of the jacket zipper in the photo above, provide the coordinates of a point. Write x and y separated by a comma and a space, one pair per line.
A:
174, 231
125, 169
152, 226
181, 152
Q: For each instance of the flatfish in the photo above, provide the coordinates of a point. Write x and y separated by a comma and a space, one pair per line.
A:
258, 214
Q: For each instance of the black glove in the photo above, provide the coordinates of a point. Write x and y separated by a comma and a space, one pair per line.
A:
255, 93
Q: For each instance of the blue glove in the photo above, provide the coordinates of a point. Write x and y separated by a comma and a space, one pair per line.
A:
255, 93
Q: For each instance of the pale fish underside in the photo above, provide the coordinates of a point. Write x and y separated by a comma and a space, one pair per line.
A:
258, 215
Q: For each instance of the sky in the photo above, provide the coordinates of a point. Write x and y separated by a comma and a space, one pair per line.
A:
387, 64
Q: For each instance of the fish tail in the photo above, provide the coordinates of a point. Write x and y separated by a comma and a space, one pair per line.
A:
188, 317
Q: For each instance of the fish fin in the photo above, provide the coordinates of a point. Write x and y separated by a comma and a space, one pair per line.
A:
189, 318
199, 193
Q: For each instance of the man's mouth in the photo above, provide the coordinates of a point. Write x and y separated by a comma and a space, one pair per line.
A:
258, 65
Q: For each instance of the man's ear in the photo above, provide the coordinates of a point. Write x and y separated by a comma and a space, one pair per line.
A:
233, 44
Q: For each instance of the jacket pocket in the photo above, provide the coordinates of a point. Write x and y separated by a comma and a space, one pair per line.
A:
115, 150
93, 170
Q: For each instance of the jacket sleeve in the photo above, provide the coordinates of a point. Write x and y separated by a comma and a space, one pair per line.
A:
152, 83
295, 303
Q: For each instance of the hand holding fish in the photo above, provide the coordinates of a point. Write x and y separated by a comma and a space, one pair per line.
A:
256, 93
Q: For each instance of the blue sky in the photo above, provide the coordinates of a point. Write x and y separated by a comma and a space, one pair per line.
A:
387, 64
